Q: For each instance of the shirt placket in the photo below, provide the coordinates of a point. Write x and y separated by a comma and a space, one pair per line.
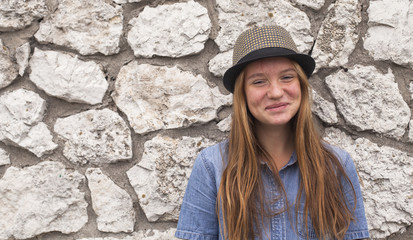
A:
278, 231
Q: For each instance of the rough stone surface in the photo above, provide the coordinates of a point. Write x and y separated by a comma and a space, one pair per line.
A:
21, 113
390, 33
173, 30
220, 63
112, 205
155, 235
143, 235
67, 77
22, 57
314, 4
370, 100
338, 34
324, 109
95, 136
86, 26
160, 178
225, 124
234, 20
41, 198
8, 69
18, 14
4, 157
410, 131
411, 90
37, 140
156, 98
386, 179
24, 105
126, 1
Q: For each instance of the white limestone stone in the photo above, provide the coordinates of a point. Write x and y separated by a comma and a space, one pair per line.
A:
18, 14
410, 136
95, 136
390, 33
225, 124
40, 199
338, 34
24, 105
8, 69
370, 100
126, 1
220, 63
67, 77
156, 97
38, 140
112, 204
160, 178
21, 113
411, 90
172, 30
235, 17
4, 157
87, 26
150, 234
169, 234
104, 238
314, 4
386, 179
22, 57
324, 109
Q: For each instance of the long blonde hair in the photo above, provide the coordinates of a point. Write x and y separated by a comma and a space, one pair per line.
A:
241, 194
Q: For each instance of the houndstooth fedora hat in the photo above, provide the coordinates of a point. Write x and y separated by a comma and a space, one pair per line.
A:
263, 42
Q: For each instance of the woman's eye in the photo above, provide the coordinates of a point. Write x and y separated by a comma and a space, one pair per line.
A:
255, 82
287, 77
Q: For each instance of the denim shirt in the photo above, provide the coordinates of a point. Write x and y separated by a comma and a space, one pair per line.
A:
198, 219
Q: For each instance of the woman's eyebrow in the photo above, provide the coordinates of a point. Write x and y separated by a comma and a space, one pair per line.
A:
255, 75
288, 70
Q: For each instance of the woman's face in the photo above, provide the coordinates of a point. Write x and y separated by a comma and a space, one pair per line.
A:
272, 89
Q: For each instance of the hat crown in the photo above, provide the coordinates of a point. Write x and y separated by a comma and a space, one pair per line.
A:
261, 37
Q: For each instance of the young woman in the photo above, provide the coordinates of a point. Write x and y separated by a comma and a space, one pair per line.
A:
273, 178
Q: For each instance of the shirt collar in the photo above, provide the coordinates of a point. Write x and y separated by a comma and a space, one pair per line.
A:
292, 161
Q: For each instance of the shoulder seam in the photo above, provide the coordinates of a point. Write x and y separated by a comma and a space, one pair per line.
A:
207, 167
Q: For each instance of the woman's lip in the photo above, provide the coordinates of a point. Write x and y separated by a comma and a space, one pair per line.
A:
277, 106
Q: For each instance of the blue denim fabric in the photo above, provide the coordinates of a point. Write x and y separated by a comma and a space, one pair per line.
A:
198, 219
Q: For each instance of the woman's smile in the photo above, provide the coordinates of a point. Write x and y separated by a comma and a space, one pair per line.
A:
277, 107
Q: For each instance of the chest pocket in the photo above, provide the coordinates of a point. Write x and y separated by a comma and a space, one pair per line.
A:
302, 231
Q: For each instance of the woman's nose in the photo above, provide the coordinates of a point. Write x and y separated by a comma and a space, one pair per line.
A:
274, 90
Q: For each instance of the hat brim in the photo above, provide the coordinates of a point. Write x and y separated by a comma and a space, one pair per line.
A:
306, 62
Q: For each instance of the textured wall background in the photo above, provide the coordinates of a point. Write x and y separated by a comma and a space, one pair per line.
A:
105, 104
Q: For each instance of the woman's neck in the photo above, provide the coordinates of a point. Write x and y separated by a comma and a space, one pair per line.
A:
278, 141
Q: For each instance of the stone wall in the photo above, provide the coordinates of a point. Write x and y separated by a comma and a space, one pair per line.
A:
105, 104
